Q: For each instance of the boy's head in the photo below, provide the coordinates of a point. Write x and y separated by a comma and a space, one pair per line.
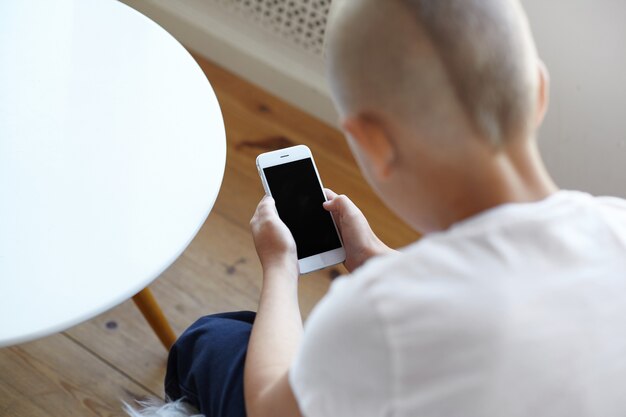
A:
428, 90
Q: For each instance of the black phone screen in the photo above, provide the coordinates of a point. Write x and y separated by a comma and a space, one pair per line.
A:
296, 190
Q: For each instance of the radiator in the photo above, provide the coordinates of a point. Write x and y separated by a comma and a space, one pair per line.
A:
298, 22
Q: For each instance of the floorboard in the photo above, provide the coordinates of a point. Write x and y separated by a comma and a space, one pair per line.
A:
56, 376
88, 369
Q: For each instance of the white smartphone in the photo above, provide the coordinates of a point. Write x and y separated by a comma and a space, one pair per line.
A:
289, 175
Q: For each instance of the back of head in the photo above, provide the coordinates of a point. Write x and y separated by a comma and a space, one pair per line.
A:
438, 66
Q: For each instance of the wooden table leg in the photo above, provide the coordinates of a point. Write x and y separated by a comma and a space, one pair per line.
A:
150, 309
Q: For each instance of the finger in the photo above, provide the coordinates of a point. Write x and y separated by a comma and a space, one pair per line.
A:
256, 212
261, 208
330, 194
268, 205
330, 205
345, 206
268, 212
338, 202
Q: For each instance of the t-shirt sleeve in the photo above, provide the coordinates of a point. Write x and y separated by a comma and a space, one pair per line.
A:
343, 366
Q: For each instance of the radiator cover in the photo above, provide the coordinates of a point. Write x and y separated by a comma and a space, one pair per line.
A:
299, 22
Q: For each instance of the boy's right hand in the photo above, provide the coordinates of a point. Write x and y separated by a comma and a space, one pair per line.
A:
359, 240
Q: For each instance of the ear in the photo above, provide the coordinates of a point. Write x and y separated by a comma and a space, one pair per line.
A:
543, 93
373, 142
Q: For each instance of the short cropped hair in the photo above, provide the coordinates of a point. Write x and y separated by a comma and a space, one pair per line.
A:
485, 55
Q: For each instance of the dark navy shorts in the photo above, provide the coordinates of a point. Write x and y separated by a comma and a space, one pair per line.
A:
205, 365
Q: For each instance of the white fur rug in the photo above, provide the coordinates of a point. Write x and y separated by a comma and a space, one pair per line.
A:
154, 407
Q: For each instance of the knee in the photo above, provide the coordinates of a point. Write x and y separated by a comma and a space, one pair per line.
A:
205, 348
216, 328
210, 350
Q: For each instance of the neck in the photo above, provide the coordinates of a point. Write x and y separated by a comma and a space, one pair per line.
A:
486, 179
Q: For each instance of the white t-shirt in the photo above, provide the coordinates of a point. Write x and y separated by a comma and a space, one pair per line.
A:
518, 311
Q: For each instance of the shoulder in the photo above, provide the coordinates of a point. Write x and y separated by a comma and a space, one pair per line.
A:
610, 216
614, 203
612, 207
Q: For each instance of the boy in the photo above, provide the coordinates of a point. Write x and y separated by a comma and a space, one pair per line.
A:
513, 302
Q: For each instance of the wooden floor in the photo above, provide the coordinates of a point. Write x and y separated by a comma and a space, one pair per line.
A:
89, 369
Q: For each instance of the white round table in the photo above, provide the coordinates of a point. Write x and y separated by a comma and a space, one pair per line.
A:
112, 152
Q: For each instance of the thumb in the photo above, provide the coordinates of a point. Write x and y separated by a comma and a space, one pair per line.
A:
341, 205
330, 194
330, 203
269, 200
268, 206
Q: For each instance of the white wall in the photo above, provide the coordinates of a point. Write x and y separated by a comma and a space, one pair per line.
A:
583, 43
244, 47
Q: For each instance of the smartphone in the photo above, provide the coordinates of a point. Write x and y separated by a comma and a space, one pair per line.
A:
289, 175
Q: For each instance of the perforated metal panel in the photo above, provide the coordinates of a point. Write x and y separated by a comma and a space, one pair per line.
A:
300, 22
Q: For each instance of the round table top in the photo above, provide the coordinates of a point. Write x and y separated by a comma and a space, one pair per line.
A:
112, 152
